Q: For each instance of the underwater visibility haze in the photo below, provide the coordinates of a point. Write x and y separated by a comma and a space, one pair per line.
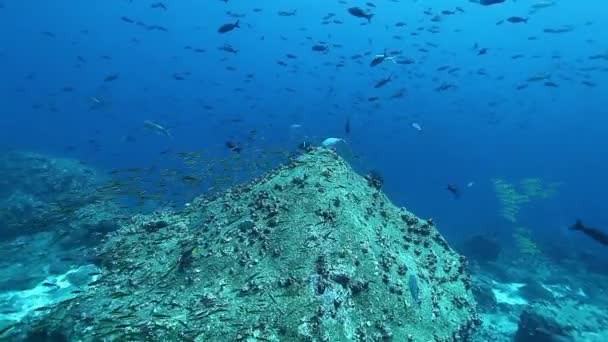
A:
339, 170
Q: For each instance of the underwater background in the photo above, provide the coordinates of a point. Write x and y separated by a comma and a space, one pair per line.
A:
489, 118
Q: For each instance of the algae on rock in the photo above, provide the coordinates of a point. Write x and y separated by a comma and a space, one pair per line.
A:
309, 252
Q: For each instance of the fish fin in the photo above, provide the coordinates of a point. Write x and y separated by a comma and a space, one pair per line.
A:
369, 18
237, 24
578, 225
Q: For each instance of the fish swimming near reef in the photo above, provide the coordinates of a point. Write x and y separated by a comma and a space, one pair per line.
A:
593, 233
332, 141
153, 126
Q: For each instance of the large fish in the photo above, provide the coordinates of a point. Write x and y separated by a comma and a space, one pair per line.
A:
228, 27
359, 13
593, 233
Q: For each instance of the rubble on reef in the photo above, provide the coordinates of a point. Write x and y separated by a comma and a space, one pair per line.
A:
309, 252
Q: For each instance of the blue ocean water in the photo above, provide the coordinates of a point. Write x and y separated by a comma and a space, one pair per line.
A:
474, 95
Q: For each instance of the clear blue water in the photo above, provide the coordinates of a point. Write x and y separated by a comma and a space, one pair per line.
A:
55, 55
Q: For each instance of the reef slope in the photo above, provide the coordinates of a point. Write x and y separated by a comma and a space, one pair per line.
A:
310, 252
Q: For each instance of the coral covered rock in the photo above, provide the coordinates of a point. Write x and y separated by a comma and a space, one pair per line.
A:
309, 252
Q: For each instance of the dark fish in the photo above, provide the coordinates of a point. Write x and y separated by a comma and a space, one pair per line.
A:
157, 28
287, 13
490, 2
228, 27
593, 233
320, 48
347, 126
377, 60
454, 190
559, 30
234, 147
445, 87
49, 284
228, 48
381, 83
551, 84
127, 20
111, 78
516, 20
588, 83
49, 34
482, 51
159, 5
359, 13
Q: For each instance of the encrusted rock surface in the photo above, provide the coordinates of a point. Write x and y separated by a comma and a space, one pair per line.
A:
310, 252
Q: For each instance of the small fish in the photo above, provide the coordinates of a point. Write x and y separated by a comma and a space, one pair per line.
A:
359, 13
320, 48
416, 126
378, 59
49, 284
332, 141
381, 83
287, 13
516, 20
157, 128
159, 5
490, 2
228, 48
127, 20
228, 27
454, 190
110, 78
233, 146
593, 233
347, 126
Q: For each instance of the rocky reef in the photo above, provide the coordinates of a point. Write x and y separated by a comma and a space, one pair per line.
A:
309, 252
39, 193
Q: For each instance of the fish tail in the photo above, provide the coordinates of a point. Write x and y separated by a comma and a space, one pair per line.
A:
237, 24
369, 18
